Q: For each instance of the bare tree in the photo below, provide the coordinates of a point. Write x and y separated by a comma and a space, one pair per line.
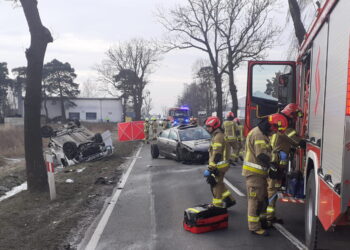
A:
147, 104
137, 56
295, 13
192, 27
40, 37
245, 28
205, 79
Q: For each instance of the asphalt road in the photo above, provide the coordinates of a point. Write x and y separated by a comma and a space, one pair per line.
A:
148, 213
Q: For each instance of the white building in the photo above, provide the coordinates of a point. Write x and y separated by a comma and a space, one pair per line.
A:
87, 109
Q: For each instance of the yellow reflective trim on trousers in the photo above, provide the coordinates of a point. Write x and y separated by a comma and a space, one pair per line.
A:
270, 209
226, 194
292, 133
252, 194
217, 202
255, 170
216, 144
253, 219
194, 210
222, 165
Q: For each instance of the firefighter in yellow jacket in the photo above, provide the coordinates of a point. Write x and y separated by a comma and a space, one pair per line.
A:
256, 168
240, 139
218, 165
282, 144
146, 130
231, 139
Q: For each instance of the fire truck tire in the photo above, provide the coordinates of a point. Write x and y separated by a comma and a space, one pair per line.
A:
154, 151
70, 149
311, 220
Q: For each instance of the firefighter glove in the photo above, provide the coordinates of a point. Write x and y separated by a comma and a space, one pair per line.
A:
275, 172
283, 156
211, 180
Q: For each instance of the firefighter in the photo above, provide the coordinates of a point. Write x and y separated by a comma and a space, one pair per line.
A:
240, 138
256, 168
146, 130
154, 128
282, 144
193, 121
230, 128
165, 124
218, 165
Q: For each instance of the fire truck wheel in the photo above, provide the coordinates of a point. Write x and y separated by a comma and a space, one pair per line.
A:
70, 149
154, 151
311, 220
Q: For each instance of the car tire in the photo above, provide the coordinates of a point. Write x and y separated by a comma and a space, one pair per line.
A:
311, 220
154, 151
70, 150
178, 154
47, 131
98, 138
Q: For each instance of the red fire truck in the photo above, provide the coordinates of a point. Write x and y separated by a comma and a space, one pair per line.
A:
178, 116
319, 81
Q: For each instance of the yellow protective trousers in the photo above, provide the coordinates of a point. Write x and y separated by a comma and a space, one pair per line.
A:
257, 200
220, 191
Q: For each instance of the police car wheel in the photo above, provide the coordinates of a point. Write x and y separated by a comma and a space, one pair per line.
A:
154, 151
178, 154
311, 220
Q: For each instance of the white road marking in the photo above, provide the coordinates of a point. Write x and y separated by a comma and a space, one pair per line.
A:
279, 227
236, 190
290, 236
103, 222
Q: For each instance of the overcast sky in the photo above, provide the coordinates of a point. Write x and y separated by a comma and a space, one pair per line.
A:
84, 29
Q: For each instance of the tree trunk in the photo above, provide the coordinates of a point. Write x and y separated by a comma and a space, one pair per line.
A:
63, 110
46, 111
218, 88
296, 17
231, 83
40, 37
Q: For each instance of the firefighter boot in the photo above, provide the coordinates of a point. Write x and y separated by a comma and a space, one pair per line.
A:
260, 232
229, 202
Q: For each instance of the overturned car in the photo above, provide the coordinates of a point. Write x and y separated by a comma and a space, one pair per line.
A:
73, 143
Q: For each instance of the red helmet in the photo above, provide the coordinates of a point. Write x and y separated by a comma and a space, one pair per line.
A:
292, 111
230, 114
213, 122
278, 122
237, 120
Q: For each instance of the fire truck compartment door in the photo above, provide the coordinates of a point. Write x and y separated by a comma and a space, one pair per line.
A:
335, 152
270, 87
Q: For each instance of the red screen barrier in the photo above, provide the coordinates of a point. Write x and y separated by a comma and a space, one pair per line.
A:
131, 131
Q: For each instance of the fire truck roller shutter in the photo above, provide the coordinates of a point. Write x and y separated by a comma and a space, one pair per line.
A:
336, 134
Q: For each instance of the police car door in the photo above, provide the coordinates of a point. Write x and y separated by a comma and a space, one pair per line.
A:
270, 87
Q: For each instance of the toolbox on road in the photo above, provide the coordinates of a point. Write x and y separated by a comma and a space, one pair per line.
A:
202, 219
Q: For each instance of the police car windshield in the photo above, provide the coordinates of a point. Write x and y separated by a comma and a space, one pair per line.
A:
191, 134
